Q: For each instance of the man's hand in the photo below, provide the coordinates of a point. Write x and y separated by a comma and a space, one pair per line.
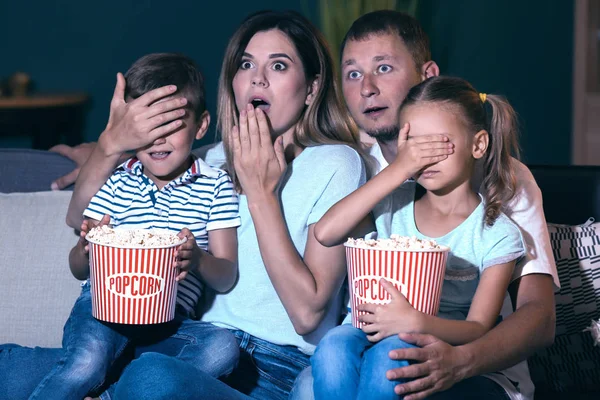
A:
437, 366
139, 122
79, 154
189, 254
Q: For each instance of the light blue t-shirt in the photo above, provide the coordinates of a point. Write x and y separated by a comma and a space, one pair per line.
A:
317, 179
474, 246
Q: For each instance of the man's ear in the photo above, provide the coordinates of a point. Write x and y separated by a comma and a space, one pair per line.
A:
203, 124
481, 141
312, 90
429, 69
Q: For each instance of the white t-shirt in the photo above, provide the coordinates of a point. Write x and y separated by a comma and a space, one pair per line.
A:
315, 180
526, 211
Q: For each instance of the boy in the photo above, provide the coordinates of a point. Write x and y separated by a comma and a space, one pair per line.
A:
163, 186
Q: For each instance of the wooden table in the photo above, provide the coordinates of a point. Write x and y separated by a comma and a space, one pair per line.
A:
47, 118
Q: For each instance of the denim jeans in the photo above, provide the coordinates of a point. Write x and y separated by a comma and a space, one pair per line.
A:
86, 347
266, 371
347, 366
90, 348
475, 388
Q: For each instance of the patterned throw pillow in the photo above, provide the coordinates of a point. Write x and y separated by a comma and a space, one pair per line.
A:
572, 363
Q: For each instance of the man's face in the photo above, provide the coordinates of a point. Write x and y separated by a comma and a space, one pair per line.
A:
377, 73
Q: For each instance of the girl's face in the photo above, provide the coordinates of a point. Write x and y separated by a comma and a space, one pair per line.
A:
431, 118
271, 77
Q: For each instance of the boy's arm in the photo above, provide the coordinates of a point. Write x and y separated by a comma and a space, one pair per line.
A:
218, 266
79, 262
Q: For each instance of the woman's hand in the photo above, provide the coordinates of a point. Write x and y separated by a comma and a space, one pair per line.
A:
389, 319
188, 255
418, 152
259, 164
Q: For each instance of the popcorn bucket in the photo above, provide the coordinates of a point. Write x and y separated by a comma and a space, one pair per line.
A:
417, 274
133, 285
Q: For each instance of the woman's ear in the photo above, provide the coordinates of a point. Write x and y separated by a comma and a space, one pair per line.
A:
481, 141
203, 124
312, 90
429, 69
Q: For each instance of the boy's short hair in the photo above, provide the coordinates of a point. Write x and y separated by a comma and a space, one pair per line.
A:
392, 22
161, 69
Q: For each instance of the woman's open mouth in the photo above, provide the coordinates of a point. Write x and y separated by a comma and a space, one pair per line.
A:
260, 103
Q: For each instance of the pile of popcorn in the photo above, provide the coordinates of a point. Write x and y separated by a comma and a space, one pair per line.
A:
132, 237
396, 242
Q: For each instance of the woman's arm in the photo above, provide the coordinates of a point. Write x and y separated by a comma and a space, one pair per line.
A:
130, 126
305, 284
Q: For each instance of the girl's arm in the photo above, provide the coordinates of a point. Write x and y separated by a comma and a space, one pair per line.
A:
400, 317
353, 210
413, 155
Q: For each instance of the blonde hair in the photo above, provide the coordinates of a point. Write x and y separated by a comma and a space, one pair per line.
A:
325, 120
500, 121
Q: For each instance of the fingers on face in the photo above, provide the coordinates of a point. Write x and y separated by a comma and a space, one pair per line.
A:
243, 131
156, 94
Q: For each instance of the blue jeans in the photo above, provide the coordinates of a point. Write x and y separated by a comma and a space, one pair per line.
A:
266, 371
347, 366
203, 345
475, 388
90, 349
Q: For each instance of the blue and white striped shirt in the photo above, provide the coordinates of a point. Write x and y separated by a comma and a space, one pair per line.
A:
202, 199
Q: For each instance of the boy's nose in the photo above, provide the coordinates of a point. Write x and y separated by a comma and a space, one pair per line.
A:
159, 141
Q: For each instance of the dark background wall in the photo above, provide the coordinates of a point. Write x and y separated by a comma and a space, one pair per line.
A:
522, 49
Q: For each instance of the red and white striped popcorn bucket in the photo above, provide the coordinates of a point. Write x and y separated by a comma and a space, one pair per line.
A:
418, 275
133, 285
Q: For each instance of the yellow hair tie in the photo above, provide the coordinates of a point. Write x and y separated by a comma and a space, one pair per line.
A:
483, 97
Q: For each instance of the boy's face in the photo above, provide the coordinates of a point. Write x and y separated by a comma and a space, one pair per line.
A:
169, 156
377, 73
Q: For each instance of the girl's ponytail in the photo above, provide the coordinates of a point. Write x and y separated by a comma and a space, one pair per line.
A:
500, 178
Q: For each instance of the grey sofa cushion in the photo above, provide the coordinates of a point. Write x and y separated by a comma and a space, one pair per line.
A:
37, 289
25, 170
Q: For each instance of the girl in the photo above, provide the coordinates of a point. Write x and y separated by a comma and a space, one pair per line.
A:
441, 205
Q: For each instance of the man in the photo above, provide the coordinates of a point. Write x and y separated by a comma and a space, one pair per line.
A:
384, 54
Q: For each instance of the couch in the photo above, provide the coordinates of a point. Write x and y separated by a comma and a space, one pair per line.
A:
37, 289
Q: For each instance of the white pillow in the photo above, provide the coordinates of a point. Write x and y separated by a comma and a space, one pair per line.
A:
37, 290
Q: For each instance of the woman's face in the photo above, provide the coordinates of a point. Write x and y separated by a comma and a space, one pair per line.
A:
271, 77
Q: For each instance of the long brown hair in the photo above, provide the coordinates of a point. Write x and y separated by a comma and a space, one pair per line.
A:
492, 113
325, 120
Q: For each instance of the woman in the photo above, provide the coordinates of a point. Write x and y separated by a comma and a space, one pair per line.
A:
293, 149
